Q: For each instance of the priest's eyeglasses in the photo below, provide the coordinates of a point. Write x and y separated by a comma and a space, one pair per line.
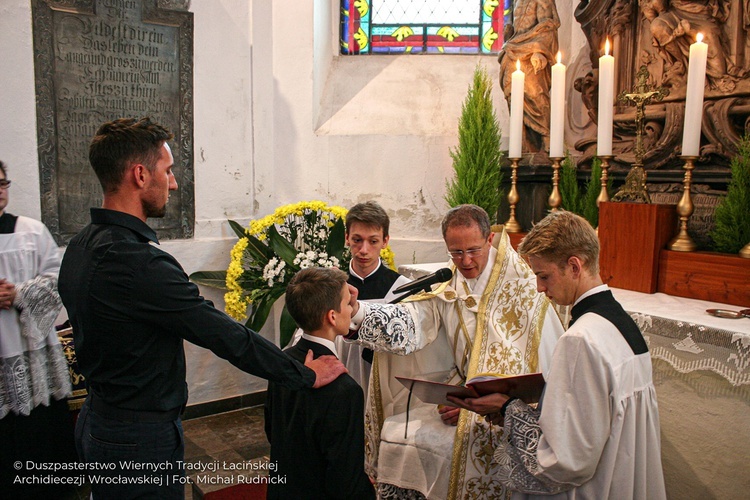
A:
459, 254
4, 184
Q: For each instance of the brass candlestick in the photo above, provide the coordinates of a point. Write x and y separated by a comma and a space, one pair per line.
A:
682, 242
603, 194
512, 226
555, 199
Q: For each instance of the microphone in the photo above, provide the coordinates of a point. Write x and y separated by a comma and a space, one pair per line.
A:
425, 282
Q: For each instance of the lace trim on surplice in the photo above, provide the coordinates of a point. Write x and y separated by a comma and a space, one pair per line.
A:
30, 379
516, 454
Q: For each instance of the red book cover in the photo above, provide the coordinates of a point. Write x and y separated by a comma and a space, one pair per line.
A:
527, 387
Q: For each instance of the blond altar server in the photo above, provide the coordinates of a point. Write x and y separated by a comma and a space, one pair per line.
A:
488, 318
595, 434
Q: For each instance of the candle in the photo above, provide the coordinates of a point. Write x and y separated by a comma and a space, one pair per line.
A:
516, 112
557, 109
696, 81
606, 102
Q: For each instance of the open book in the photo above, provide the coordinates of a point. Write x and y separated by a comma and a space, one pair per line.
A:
527, 387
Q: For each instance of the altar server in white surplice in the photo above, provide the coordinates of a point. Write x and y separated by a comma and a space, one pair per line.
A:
488, 318
35, 424
595, 433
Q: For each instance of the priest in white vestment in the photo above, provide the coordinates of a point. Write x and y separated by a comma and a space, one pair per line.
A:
595, 434
488, 318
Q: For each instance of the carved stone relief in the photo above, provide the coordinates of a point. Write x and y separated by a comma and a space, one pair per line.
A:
97, 60
658, 34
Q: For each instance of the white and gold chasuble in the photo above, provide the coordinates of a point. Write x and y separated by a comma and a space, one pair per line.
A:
497, 324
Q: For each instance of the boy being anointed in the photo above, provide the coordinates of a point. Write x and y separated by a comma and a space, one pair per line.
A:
317, 437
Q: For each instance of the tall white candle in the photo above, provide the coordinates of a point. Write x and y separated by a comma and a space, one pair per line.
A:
557, 109
606, 102
516, 112
691, 136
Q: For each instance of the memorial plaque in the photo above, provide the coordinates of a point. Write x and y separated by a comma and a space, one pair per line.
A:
97, 60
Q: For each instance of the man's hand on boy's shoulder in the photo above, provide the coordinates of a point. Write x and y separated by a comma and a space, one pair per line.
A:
326, 368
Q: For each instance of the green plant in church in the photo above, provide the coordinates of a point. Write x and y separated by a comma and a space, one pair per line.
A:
570, 192
732, 226
581, 202
593, 188
476, 159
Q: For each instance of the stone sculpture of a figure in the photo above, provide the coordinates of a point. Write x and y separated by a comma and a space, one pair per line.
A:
674, 25
532, 40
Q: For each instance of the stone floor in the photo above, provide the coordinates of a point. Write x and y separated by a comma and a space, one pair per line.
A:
222, 450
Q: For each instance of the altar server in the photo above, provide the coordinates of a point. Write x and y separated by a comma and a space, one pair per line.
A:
596, 432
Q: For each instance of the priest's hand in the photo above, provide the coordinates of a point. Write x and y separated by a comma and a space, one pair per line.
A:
353, 299
326, 368
449, 414
488, 406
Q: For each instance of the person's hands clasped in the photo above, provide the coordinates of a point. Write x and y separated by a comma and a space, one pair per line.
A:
326, 368
7, 294
488, 406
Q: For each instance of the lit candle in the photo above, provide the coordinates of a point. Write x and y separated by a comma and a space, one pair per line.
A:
606, 102
557, 109
691, 136
516, 112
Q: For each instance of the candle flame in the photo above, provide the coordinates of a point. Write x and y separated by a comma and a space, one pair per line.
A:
559, 57
606, 47
518, 65
699, 37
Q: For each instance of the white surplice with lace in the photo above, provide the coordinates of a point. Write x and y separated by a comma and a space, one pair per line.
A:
32, 365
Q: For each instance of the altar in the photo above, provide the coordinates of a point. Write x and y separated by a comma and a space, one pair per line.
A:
701, 370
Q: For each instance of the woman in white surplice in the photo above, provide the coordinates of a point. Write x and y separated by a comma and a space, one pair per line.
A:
34, 382
488, 318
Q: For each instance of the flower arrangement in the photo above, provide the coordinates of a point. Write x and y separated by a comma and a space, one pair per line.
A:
271, 250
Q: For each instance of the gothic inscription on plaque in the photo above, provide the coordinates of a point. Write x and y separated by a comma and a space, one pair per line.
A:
97, 60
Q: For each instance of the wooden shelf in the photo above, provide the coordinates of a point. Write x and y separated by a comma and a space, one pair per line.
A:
711, 276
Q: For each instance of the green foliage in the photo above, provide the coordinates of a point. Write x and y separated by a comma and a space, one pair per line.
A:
732, 229
593, 188
476, 160
568, 186
213, 279
580, 202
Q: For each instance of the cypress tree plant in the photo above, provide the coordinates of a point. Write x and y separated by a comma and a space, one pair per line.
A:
574, 199
593, 188
732, 227
476, 160
568, 186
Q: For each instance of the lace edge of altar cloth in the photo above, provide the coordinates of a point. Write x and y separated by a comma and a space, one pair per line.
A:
690, 347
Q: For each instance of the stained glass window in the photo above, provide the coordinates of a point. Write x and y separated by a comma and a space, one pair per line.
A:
423, 26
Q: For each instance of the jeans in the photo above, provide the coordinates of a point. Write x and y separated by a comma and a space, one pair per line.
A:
128, 460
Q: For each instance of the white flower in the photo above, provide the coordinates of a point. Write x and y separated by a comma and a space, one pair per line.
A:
273, 270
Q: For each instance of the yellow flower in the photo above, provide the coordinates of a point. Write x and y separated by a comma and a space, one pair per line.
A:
305, 224
388, 257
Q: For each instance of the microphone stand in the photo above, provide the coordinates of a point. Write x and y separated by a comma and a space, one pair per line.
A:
425, 288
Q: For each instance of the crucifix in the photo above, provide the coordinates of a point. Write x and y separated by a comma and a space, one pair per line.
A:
641, 95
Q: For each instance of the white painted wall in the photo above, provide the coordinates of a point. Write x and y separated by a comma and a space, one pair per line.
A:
280, 117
